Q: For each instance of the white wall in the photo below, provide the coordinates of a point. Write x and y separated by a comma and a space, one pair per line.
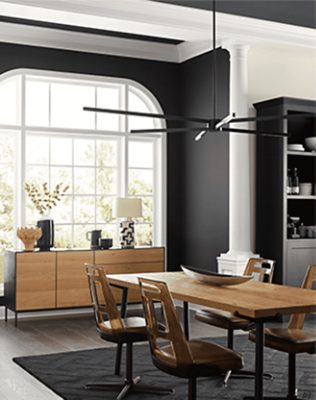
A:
276, 71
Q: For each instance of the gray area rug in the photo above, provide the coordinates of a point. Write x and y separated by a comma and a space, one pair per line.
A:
67, 373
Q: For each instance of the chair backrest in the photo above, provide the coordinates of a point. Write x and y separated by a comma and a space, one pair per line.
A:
261, 269
102, 298
171, 331
297, 320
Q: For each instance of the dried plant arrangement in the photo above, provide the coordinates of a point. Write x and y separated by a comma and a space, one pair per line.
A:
43, 199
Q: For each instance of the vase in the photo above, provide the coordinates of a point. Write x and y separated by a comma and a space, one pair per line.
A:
46, 241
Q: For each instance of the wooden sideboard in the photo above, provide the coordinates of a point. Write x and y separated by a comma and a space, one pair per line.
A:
56, 279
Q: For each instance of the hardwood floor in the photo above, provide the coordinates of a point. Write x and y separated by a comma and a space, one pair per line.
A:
51, 335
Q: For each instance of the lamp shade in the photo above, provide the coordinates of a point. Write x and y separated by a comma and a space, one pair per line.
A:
127, 207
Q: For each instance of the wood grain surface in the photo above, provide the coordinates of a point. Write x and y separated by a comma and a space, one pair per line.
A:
251, 299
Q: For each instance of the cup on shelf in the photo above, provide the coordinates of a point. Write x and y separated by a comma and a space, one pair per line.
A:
306, 189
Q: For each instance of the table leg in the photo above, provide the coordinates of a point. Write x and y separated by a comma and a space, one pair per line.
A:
259, 362
186, 319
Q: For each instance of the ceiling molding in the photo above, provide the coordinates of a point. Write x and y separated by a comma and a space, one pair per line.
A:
140, 17
89, 43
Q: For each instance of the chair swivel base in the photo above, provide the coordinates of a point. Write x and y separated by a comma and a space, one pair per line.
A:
244, 374
288, 397
129, 386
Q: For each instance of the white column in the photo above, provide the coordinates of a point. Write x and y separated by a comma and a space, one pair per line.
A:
241, 170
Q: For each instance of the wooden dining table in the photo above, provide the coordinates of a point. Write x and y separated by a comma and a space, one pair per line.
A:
257, 301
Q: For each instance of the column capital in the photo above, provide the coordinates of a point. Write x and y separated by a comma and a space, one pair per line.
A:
236, 48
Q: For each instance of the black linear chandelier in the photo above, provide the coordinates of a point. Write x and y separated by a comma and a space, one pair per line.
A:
212, 124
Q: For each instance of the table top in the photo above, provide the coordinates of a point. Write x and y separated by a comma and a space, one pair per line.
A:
251, 299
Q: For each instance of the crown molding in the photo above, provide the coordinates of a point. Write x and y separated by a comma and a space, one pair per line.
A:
142, 17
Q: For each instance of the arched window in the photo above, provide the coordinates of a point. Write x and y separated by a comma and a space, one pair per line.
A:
45, 136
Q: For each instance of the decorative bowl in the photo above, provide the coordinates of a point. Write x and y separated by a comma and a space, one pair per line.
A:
310, 143
29, 236
213, 278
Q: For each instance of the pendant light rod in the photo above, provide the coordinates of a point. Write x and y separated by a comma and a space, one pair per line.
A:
169, 117
253, 132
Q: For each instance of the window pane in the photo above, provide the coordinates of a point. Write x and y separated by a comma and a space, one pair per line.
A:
36, 103
104, 209
140, 154
147, 210
6, 222
109, 97
61, 151
67, 102
143, 235
140, 182
135, 103
63, 236
31, 214
106, 153
37, 149
37, 175
84, 209
6, 148
62, 213
84, 180
9, 101
80, 239
6, 179
106, 181
84, 152
61, 175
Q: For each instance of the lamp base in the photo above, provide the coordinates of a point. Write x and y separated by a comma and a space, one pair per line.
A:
127, 234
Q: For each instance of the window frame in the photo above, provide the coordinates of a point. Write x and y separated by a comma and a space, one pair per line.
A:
158, 140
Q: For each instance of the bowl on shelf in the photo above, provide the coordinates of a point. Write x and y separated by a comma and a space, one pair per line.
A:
310, 143
213, 278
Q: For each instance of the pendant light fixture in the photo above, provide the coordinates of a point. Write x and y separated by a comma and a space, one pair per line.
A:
209, 125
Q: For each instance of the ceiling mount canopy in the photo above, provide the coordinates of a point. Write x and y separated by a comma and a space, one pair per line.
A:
212, 124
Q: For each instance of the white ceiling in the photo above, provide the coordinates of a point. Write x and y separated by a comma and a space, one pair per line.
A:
142, 17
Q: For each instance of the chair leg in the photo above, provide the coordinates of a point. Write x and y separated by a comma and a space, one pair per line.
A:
117, 370
130, 384
230, 339
192, 389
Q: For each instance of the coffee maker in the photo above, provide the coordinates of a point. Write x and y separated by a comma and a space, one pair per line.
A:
292, 227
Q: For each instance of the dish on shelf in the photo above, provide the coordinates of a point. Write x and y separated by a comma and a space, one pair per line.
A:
295, 147
310, 143
213, 278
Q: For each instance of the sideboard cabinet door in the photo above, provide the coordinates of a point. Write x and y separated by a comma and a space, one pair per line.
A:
35, 281
72, 282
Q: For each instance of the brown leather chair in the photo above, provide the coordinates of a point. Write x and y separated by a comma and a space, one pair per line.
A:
113, 328
176, 355
293, 339
261, 269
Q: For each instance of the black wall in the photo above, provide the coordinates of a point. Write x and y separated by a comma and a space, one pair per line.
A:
197, 174
205, 173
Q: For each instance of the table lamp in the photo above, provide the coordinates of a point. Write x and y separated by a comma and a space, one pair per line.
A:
126, 207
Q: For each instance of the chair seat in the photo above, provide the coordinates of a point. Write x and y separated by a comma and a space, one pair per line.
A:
134, 331
288, 340
223, 319
208, 359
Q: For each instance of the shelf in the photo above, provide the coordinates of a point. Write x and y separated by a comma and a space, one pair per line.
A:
298, 197
302, 153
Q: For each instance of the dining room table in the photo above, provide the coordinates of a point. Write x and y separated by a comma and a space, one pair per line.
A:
257, 301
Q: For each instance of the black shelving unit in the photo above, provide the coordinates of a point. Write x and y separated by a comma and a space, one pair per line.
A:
273, 205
